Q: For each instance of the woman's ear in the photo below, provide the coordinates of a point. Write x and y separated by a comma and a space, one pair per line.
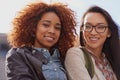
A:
109, 34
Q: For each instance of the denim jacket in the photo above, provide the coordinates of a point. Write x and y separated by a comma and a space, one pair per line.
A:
53, 70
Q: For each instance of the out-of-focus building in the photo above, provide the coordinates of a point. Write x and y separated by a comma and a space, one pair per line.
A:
4, 46
3, 37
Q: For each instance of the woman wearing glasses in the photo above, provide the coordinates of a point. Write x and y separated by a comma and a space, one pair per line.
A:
100, 38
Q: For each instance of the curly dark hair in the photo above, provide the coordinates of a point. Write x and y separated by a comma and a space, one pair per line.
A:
111, 46
27, 19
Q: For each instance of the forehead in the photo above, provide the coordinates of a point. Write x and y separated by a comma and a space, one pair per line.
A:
50, 16
94, 18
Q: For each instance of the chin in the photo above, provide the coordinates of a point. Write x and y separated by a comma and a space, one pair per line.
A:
48, 46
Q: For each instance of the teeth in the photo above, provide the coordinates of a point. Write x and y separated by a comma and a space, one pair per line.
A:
49, 38
94, 38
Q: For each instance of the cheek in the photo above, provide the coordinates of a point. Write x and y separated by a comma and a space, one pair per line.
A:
58, 33
85, 35
57, 36
38, 33
106, 35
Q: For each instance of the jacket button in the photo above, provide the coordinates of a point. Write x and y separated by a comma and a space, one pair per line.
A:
33, 51
44, 50
55, 69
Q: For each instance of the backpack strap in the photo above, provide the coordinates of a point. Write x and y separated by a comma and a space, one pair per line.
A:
89, 64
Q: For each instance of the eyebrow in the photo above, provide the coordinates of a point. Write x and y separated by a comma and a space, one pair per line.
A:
58, 24
49, 22
97, 24
101, 23
46, 21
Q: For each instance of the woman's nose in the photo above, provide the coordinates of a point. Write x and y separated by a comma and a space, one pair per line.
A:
51, 30
93, 31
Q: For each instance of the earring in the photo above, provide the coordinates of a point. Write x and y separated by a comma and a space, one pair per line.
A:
108, 36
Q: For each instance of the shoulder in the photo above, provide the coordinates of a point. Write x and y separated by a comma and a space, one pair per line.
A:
75, 64
15, 52
75, 50
11, 52
75, 53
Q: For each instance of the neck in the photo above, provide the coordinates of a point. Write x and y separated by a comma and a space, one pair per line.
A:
95, 51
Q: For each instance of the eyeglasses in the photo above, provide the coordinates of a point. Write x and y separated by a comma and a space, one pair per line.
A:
98, 28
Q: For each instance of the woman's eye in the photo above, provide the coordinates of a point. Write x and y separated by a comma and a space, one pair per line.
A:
58, 27
101, 26
87, 26
46, 25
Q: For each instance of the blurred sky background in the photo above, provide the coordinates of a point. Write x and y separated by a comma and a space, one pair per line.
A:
9, 8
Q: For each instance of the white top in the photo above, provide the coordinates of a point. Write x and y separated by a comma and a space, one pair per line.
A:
75, 66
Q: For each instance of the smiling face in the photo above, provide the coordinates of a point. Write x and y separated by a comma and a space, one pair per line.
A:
48, 30
93, 39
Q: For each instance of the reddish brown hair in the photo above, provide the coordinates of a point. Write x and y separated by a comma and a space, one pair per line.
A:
27, 19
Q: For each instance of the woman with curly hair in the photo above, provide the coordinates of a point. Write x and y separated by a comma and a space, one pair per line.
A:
41, 35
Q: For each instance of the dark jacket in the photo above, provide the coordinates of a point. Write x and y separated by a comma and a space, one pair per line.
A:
24, 64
